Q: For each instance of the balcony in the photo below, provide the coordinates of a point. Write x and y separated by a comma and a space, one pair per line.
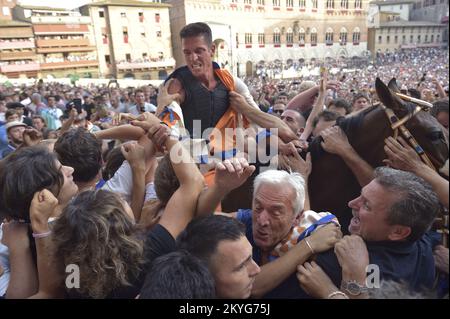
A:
19, 67
69, 64
146, 65
9, 56
26, 44
63, 45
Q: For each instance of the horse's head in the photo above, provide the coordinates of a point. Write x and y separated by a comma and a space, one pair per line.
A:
430, 135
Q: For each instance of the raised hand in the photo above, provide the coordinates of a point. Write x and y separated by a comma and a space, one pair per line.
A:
134, 154
164, 98
42, 207
31, 137
231, 174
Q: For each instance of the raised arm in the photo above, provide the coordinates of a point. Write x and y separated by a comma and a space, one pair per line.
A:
317, 108
23, 280
182, 205
230, 174
135, 155
239, 104
50, 268
299, 102
402, 156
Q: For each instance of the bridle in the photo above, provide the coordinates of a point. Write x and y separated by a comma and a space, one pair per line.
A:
399, 125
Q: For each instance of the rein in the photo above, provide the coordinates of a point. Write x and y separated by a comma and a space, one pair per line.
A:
399, 125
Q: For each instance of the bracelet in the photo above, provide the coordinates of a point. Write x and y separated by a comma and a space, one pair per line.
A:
338, 292
42, 235
310, 247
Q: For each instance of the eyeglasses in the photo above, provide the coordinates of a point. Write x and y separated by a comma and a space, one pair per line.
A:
278, 111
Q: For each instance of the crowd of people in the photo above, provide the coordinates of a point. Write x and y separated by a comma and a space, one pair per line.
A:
103, 194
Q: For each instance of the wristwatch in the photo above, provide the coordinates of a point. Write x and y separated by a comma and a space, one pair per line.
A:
353, 287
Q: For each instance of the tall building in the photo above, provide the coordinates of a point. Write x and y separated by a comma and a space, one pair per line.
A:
432, 11
17, 49
248, 31
391, 28
132, 37
63, 41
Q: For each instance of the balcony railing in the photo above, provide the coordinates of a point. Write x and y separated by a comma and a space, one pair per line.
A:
146, 65
68, 64
63, 45
27, 44
8, 56
19, 67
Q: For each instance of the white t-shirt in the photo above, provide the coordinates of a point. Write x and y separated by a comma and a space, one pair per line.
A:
4, 261
122, 184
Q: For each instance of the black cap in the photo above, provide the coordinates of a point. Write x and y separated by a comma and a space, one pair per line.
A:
14, 105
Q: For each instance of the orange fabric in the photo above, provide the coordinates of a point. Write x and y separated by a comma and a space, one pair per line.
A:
228, 120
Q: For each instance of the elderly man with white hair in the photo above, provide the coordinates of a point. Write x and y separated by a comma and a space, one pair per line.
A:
278, 227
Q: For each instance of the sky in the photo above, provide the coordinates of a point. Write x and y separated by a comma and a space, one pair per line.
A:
55, 3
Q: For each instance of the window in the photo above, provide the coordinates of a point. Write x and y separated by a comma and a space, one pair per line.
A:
301, 37
141, 16
411, 39
276, 37
157, 17
101, 14
432, 38
314, 4
6, 11
261, 2
403, 29
313, 37
356, 36
396, 39
105, 38
330, 4
358, 4
158, 32
248, 2
128, 57
289, 3
388, 39
248, 39
289, 37
426, 38
343, 37
276, 3
418, 38
380, 39
302, 4
329, 37
344, 4
261, 39
123, 14
438, 38
237, 40
125, 34
107, 59
403, 39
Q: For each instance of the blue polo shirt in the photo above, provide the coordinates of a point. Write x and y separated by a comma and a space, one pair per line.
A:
411, 262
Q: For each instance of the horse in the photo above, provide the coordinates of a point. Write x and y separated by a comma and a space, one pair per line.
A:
332, 184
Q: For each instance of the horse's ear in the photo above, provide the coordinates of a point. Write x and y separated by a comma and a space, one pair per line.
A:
393, 85
389, 99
